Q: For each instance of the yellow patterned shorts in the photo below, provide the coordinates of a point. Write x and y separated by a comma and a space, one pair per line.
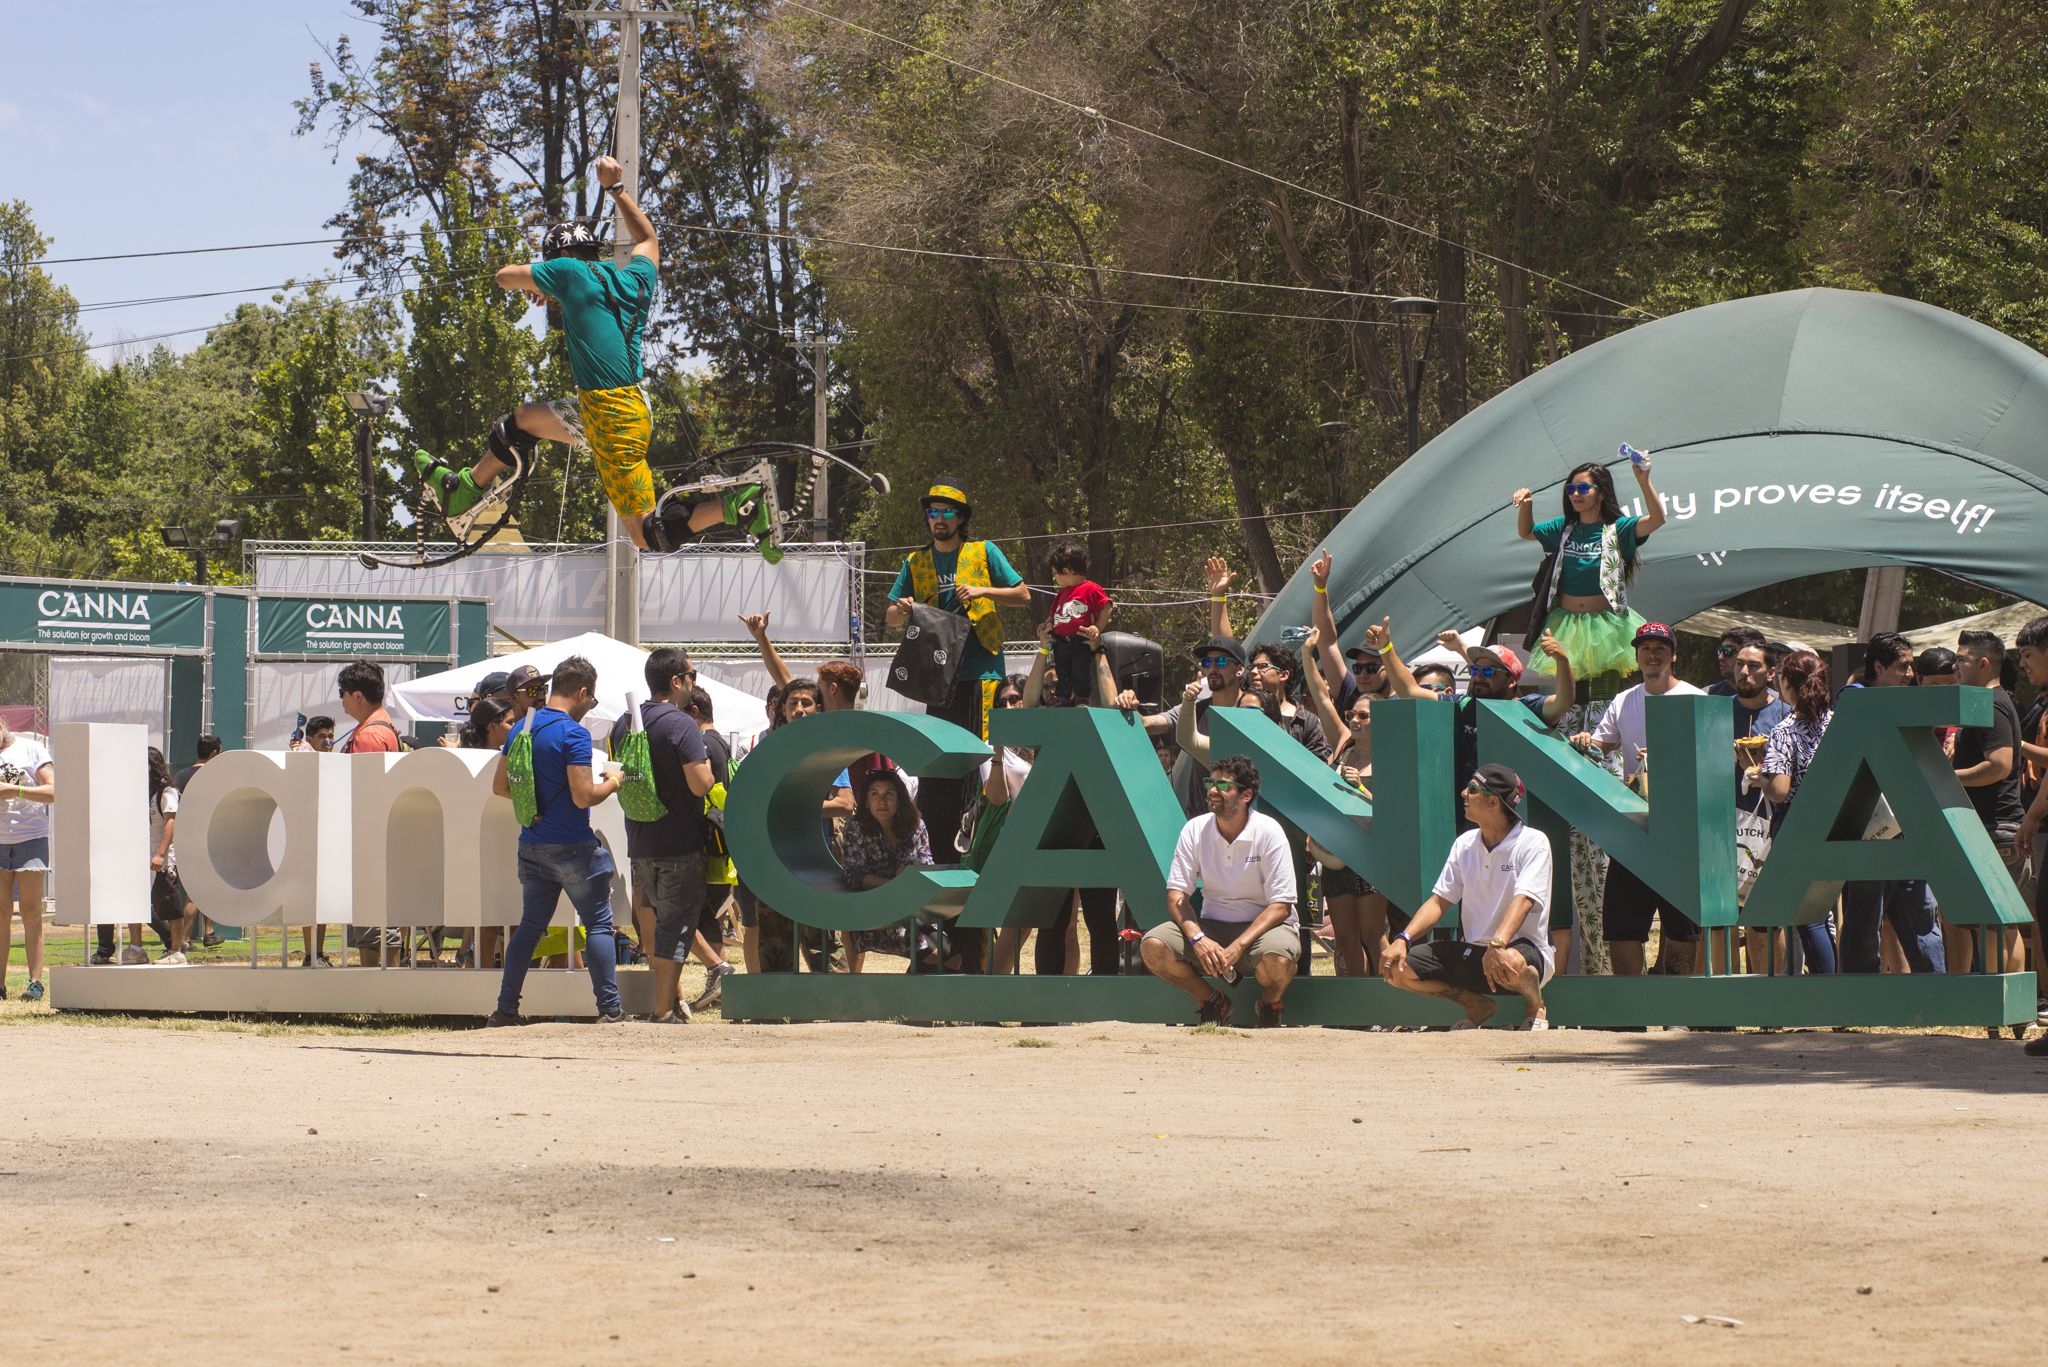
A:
618, 427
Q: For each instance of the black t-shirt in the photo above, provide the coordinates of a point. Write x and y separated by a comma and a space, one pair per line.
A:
673, 740
2033, 729
1997, 804
720, 755
184, 776
1465, 742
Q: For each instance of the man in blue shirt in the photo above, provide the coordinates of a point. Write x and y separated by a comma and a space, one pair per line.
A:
559, 852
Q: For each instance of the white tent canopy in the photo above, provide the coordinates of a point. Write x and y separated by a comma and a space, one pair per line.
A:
621, 669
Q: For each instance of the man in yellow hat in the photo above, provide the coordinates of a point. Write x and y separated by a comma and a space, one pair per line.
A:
975, 580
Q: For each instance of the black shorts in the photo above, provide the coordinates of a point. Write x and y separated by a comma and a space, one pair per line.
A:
1628, 906
1345, 883
1461, 964
750, 907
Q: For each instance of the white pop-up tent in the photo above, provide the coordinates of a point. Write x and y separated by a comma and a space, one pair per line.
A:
621, 669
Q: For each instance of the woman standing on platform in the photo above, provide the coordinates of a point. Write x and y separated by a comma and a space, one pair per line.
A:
1596, 548
1802, 682
1584, 604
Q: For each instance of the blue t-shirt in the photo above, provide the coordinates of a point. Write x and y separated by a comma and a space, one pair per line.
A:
1581, 557
559, 741
975, 661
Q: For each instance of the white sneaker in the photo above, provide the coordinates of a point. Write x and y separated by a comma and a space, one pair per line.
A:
1537, 1023
173, 960
134, 954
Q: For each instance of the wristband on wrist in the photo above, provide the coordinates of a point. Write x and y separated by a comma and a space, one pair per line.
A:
1045, 650
1218, 598
1196, 936
1402, 936
1387, 649
1322, 588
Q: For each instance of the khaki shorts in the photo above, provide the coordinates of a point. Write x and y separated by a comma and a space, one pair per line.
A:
1283, 939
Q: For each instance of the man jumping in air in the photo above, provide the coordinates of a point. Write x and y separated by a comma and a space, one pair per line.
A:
604, 308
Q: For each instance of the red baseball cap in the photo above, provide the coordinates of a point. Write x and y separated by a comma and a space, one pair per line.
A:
1655, 631
1509, 661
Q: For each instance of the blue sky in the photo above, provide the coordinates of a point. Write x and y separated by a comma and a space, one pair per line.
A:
144, 126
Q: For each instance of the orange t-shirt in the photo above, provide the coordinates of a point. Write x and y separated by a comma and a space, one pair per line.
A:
374, 735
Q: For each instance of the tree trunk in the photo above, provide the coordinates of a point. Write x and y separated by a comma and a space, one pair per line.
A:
1453, 379
1258, 534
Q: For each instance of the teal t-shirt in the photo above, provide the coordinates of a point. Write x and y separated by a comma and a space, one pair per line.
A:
975, 661
603, 309
1581, 574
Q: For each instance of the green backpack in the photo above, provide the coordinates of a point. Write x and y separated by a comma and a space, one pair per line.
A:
519, 777
637, 793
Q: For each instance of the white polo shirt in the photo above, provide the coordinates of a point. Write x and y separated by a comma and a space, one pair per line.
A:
1240, 878
1624, 722
1486, 881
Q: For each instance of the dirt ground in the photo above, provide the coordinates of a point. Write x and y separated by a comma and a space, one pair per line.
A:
578, 1193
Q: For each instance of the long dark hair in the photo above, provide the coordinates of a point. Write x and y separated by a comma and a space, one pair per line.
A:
1602, 481
1803, 676
159, 773
907, 815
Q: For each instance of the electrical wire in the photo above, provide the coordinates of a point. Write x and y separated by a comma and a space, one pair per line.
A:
1097, 114
1138, 527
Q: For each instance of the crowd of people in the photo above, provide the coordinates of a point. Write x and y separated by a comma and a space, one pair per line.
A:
1245, 895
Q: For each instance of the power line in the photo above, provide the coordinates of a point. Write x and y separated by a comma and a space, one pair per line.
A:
1136, 527
1216, 157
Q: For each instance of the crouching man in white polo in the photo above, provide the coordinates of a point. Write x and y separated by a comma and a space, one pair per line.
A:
1241, 860
1501, 873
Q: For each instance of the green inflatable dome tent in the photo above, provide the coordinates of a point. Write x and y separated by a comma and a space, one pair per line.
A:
1793, 434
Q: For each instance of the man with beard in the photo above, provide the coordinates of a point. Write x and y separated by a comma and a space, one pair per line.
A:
1240, 859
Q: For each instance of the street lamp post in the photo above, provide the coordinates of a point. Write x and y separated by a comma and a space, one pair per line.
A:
1413, 316
226, 531
1333, 435
369, 403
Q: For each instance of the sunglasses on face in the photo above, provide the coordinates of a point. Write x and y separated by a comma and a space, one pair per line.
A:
948, 514
1475, 788
1486, 671
1220, 785
1366, 666
1725, 651
1580, 488
1007, 700
1438, 687
1215, 661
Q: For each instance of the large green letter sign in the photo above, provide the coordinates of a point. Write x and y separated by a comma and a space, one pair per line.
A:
1397, 842
1096, 775
1881, 741
1683, 842
777, 835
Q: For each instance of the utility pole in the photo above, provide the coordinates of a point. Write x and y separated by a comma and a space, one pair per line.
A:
1884, 592
622, 561
821, 394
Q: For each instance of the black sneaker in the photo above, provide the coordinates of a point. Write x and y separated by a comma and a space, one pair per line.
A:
611, 1018
1269, 1015
1216, 1010
2036, 1048
211, 940
497, 1018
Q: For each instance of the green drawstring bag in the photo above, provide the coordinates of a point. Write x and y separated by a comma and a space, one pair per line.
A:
637, 794
519, 777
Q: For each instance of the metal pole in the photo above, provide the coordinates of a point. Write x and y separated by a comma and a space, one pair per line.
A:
622, 560
820, 393
365, 478
1884, 591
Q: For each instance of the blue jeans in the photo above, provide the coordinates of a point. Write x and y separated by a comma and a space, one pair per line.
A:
1817, 947
1902, 902
584, 871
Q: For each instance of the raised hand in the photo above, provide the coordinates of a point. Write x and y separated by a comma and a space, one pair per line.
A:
1192, 691
1451, 641
1311, 643
609, 171
756, 623
1218, 571
1549, 646
1381, 636
1319, 569
1521, 498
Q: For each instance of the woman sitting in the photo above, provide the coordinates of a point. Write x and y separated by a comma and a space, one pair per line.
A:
886, 837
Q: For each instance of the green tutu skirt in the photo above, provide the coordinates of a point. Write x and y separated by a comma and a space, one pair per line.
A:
1596, 642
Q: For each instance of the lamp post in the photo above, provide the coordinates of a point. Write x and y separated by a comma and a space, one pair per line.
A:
1412, 316
226, 531
369, 403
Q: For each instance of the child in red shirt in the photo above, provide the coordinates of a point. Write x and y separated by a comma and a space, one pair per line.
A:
1081, 603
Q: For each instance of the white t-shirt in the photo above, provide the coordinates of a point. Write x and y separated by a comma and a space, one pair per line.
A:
20, 819
1240, 878
1624, 722
165, 807
1486, 881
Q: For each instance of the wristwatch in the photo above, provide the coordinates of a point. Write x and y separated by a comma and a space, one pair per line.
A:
1496, 943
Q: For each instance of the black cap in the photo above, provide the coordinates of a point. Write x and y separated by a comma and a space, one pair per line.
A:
1504, 783
1222, 645
1934, 660
496, 682
525, 677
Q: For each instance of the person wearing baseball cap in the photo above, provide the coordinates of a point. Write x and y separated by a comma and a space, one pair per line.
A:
1221, 662
958, 574
1499, 873
1629, 904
